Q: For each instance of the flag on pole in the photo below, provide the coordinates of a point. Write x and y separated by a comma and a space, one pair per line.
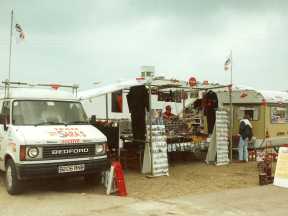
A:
227, 63
19, 29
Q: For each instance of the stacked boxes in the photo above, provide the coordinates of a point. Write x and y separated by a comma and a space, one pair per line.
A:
158, 150
222, 143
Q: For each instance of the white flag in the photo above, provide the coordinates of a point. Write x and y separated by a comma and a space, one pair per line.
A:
22, 34
227, 64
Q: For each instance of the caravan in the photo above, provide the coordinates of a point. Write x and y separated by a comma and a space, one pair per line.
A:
268, 111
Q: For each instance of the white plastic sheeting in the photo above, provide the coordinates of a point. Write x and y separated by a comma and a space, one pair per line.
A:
274, 96
105, 89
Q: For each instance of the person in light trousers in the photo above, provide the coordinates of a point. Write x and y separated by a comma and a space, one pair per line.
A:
245, 131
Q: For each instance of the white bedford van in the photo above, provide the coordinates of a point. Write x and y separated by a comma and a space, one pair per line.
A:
45, 133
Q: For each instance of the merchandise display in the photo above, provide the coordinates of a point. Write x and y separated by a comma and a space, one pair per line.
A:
185, 133
158, 144
222, 140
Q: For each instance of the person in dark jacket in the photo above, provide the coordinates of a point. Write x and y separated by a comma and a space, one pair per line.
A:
245, 131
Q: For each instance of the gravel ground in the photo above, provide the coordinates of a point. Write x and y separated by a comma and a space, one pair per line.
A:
184, 178
191, 189
192, 178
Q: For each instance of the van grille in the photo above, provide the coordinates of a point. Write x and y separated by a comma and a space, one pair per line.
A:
68, 151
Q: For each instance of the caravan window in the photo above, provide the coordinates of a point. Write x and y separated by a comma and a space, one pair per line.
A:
279, 114
252, 111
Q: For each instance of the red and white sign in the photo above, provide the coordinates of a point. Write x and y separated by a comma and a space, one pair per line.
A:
192, 81
68, 133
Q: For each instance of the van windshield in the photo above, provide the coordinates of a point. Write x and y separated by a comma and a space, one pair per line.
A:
43, 112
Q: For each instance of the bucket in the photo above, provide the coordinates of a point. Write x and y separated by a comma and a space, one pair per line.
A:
262, 179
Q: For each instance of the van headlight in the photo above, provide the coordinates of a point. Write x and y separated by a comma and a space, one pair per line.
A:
33, 153
99, 148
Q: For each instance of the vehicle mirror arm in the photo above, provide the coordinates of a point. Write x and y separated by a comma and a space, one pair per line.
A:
5, 124
3, 120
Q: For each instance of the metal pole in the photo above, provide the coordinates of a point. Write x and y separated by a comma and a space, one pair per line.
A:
106, 100
150, 129
182, 98
10, 48
10, 56
231, 107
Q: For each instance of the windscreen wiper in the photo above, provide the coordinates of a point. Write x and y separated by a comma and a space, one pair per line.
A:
77, 122
51, 123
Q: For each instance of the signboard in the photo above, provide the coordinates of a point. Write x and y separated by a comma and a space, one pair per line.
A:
281, 173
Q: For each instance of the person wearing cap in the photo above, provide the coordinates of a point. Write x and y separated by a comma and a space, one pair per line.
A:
168, 115
245, 132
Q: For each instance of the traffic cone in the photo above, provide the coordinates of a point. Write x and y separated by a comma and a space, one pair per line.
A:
120, 181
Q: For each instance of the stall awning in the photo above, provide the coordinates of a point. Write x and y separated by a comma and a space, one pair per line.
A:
105, 89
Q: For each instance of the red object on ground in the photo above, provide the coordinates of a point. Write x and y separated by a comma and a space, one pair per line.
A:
120, 181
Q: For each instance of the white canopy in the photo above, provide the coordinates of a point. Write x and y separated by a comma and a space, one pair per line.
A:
112, 87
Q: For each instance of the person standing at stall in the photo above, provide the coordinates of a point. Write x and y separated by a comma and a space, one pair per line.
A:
245, 131
168, 115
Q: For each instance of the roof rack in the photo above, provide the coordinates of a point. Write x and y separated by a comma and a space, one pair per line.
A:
8, 84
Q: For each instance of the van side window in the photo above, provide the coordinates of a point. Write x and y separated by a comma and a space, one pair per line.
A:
6, 111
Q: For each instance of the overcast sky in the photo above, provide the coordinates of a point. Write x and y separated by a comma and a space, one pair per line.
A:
83, 41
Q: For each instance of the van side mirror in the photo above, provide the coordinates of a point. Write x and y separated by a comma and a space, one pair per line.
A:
3, 120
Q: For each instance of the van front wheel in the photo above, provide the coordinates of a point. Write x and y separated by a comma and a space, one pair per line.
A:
13, 185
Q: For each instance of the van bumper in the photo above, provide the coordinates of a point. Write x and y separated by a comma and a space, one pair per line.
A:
44, 170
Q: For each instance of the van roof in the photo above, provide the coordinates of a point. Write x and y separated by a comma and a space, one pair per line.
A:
38, 93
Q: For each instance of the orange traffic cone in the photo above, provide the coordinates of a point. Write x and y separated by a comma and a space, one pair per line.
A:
120, 181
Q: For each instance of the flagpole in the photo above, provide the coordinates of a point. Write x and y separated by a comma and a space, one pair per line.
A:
231, 107
10, 52
231, 75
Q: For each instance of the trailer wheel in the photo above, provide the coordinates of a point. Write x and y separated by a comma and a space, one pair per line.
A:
93, 179
12, 183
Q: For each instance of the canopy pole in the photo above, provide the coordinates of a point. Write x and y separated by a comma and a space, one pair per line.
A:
150, 127
106, 101
231, 108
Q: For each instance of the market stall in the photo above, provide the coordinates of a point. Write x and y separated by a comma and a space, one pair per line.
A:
190, 128
194, 108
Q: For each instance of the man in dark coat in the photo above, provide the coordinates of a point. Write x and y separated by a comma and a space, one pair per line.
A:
245, 131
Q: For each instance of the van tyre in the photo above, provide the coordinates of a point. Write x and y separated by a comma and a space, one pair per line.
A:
93, 179
13, 185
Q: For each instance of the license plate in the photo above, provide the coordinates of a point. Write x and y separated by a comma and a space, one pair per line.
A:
71, 168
